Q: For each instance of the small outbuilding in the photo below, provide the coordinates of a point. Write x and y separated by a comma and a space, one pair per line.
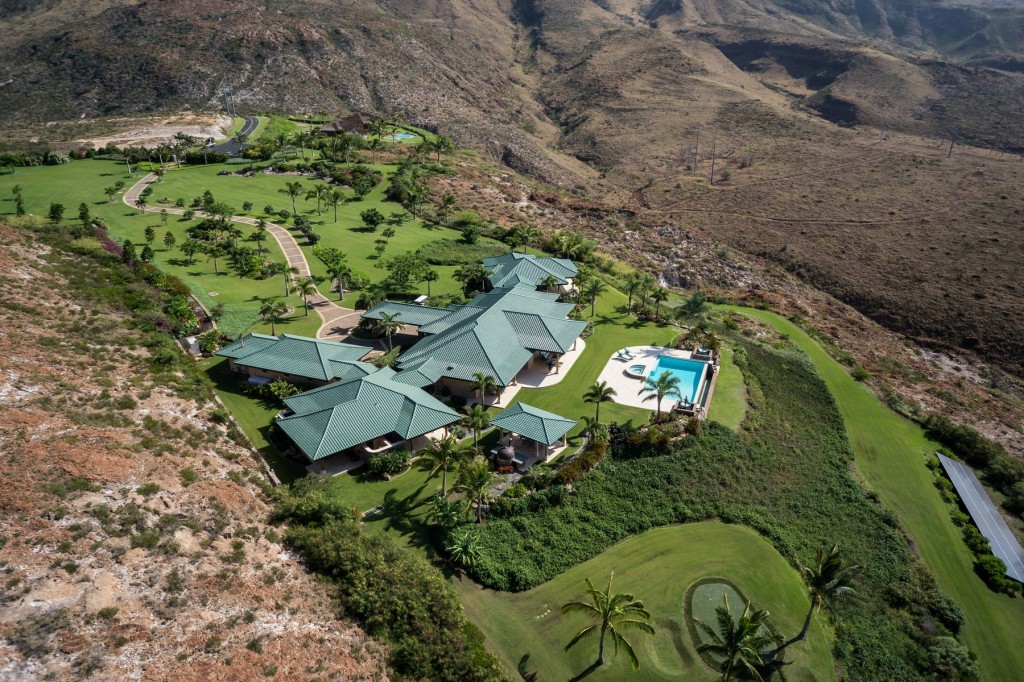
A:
543, 432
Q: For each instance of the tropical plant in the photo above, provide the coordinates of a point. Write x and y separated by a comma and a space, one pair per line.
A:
305, 288
446, 206
141, 204
664, 385
484, 384
550, 282
475, 482
293, 190
190, 248
334, 260
599, 393
213, 252
476, 419
594, 288
464, 550
442, 145
389, 324
444, 454
273, 312
169, 240
737, 642
616, 613
333, 199
658, 295
471, 275
430, 276
826, 580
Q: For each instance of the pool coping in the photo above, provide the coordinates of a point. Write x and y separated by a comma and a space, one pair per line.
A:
627, 386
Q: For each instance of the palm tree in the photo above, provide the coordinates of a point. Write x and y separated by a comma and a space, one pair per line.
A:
616, 613
647, 282
477, 419
475, 482
826, 580
444, 454
318, 192
737, 642
550, 282
260, 235
470, 274
333, 199
141, 203
388, 324
111, 192
658, 295
446, 206
594, 288
430, 276
633, 285
442, 145
484, 384
665, 384
305, 287
292, 189
374, 145
464, 550
599, 393
288, 271
215, 251
273, 311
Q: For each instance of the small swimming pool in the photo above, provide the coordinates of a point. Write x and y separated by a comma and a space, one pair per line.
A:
690, 373
401, 136
637, 371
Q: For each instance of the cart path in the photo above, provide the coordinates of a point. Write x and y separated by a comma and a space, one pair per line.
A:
338, 322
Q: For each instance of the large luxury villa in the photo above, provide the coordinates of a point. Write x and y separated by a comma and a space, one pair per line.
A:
356, 410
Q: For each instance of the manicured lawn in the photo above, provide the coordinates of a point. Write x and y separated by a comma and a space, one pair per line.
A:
890, 455
729, 404
613, 329
347, 233
657, 567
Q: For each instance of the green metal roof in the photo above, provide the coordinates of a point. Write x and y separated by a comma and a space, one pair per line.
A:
534, 423
408, 313
333, 418
495, 334
510, 269
298, 355
421, 374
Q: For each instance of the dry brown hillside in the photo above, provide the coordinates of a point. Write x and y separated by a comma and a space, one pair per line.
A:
133, 541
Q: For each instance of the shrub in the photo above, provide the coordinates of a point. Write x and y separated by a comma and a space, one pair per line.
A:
992, 570
389, 463
581, 463
967, 443
188, 476
451, 252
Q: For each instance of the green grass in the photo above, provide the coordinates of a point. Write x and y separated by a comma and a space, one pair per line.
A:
657, 566
729, 404
890, 455
84, 181
347, 233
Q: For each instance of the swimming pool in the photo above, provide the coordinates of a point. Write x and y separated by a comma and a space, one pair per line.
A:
401, 136
690, 373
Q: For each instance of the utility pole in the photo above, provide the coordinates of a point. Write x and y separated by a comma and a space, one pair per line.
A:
712, 163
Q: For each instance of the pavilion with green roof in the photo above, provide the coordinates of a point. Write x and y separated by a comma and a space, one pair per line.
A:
523, 269
499, 333
535, 426
363, 417
296, 359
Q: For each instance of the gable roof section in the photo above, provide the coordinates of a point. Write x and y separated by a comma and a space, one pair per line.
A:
511, 269
534, 423
421, 374
298, 355
495, 334
408, 313
333, 418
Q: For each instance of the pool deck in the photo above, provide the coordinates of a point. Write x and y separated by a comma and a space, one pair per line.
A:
627, 388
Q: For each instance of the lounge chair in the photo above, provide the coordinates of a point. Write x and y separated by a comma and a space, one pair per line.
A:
625, 355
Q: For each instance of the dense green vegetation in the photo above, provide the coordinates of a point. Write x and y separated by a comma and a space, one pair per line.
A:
788, 477
397, 595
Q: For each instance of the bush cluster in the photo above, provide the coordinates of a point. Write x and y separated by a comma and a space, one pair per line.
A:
389, 463
451, 252
582, 462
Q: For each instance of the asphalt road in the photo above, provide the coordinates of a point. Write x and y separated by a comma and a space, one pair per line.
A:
986, 516
232, 148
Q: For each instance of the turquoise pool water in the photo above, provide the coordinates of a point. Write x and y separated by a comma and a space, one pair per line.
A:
401, 136
690, 373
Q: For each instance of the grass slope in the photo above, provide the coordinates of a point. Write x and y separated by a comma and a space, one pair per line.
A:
657, 567
889, 454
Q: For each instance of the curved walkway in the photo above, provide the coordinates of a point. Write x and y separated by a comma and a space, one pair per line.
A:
338, 322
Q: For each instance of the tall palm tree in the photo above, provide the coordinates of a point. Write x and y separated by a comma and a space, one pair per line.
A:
444, 454
475, 482
141, 204
616, 614
738, 642
442, 145
464, 550
594, 288
273, 311
599, 393
484, 384
647, 282
288, 271
549, 282
215, 251
333, 199
826, 580
388, 324
305, 288
477, 419
658, 295
318, 192
662, 386
292, 189
375, 145
633, 284
446, 206
430, 276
